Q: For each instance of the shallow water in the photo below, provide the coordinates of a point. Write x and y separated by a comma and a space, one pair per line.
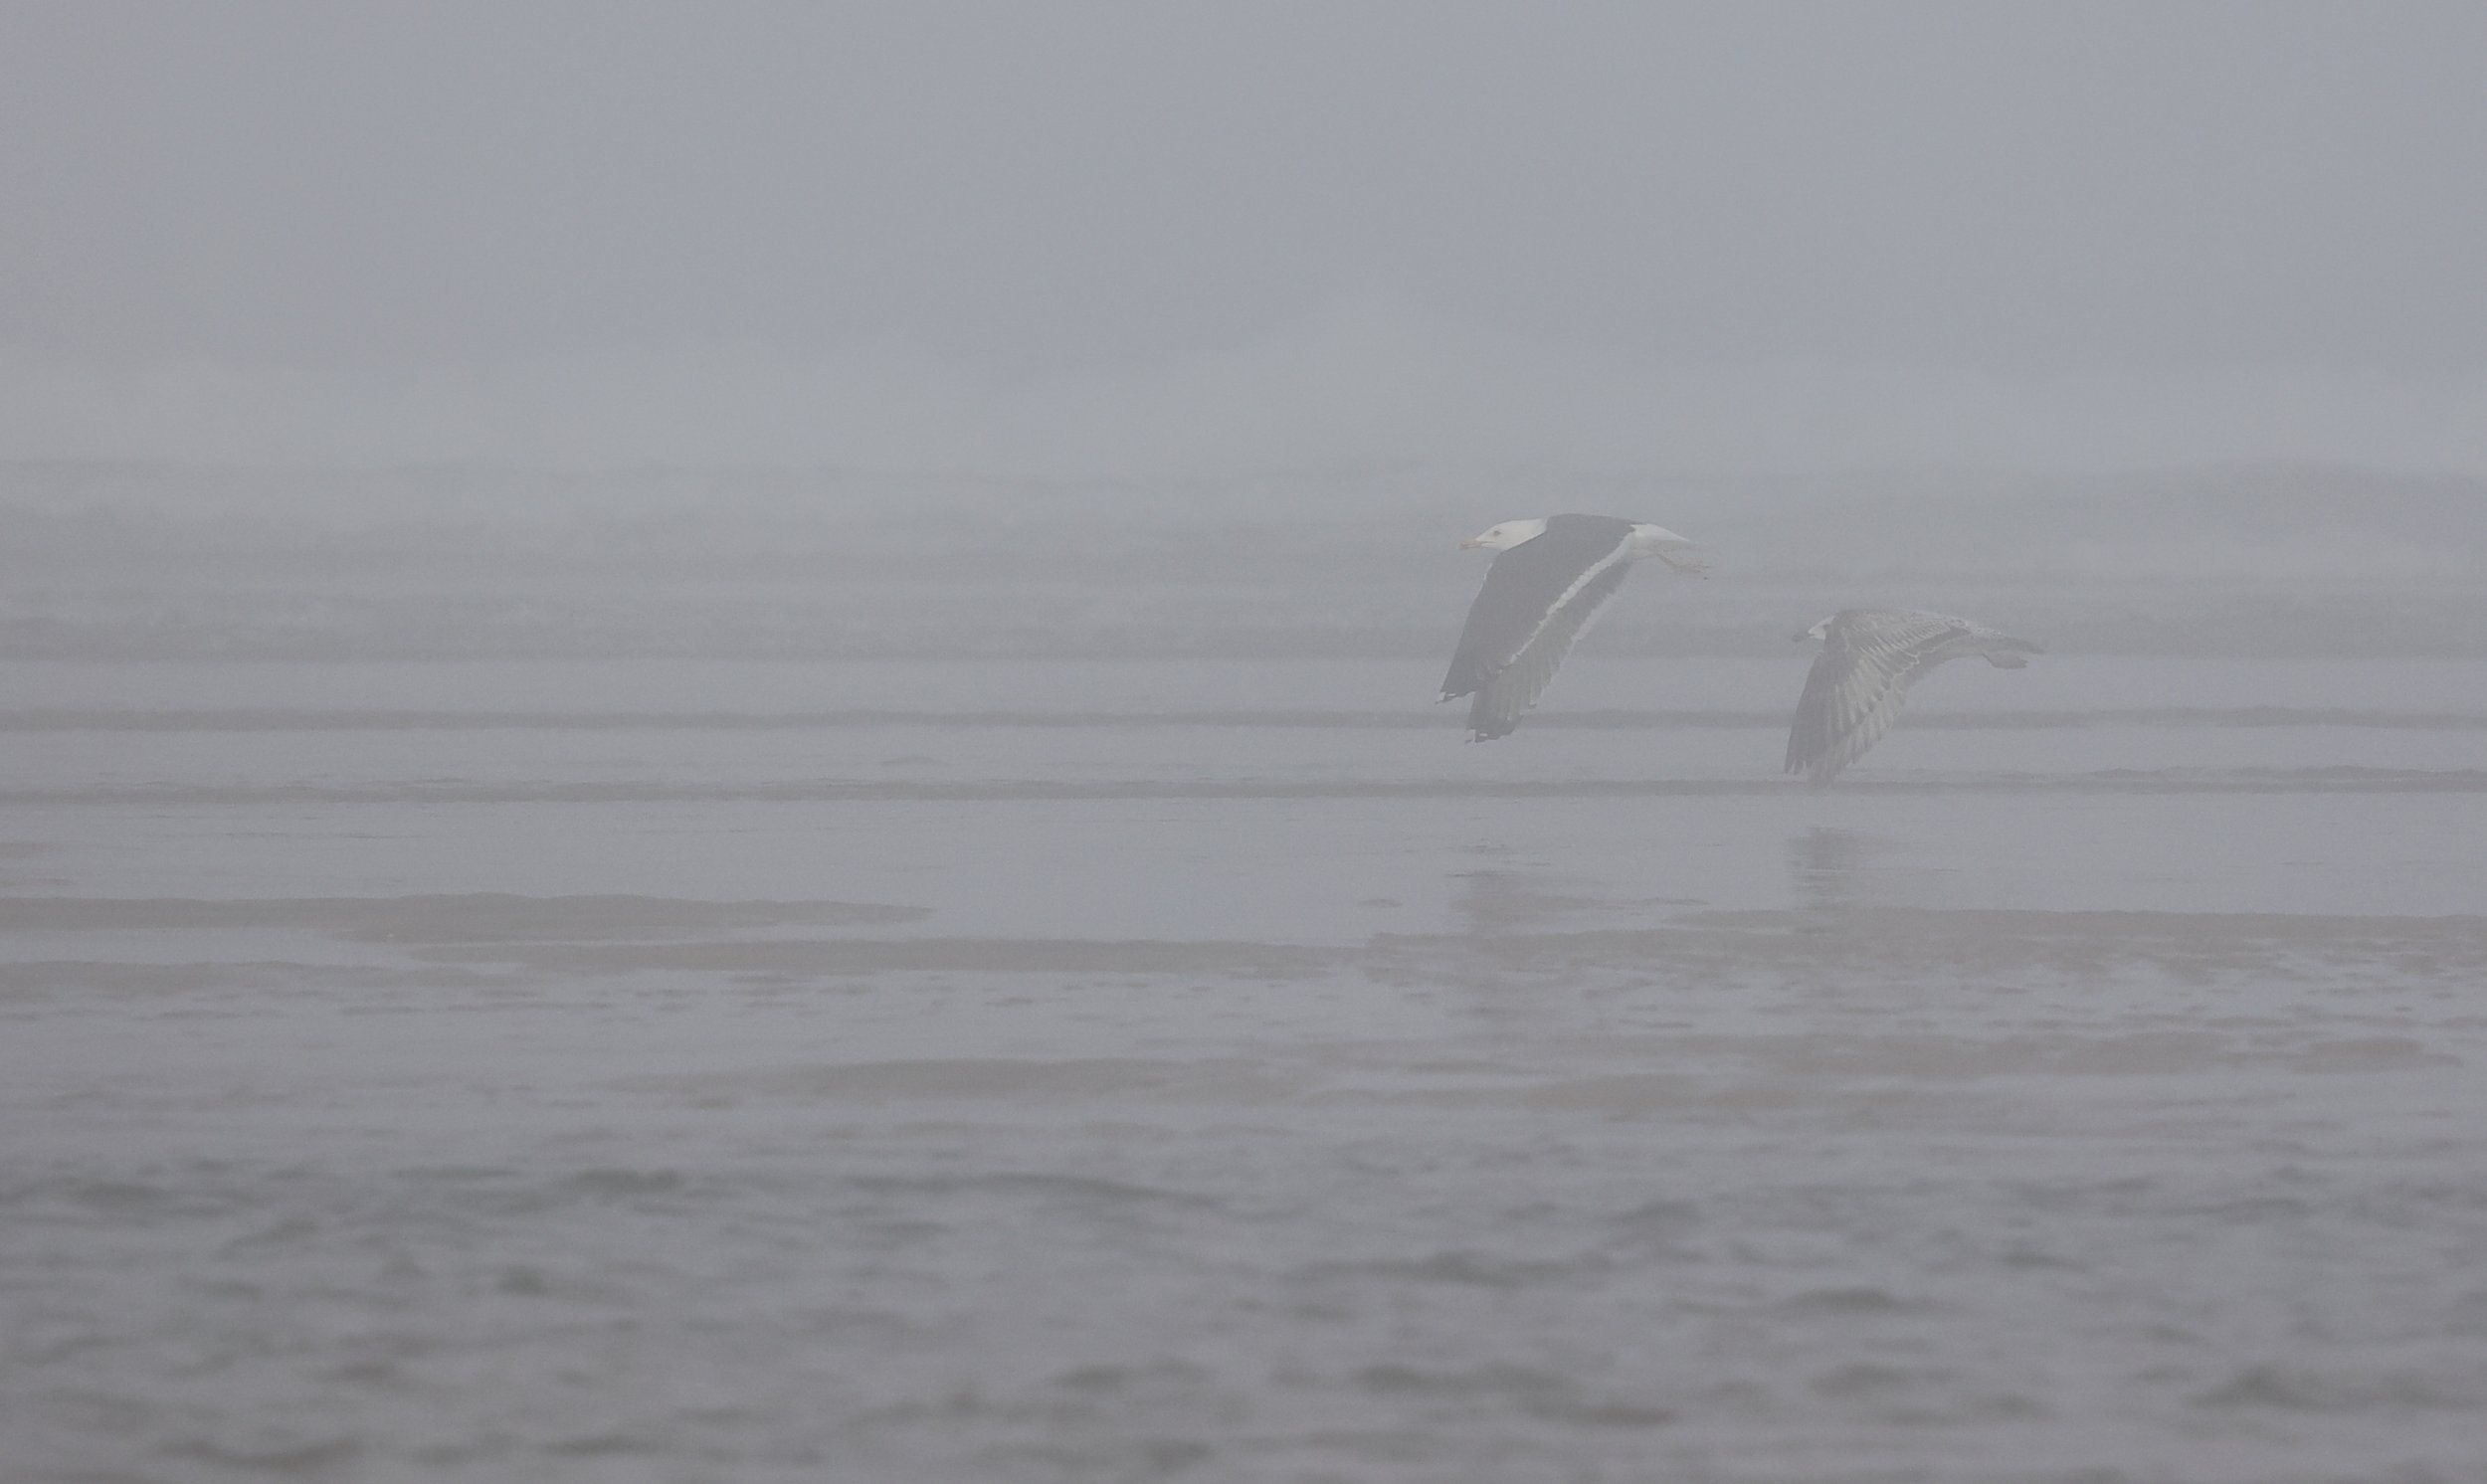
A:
1219, 1072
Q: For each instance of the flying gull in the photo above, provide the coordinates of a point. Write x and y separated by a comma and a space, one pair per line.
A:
1869, 659
1549, 578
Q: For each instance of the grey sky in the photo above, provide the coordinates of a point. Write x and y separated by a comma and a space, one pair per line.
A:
1018, 194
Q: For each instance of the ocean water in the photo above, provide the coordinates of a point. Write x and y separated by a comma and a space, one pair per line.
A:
1217, 1070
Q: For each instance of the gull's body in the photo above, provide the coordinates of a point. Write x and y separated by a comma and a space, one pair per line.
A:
1869, 659
1549, 578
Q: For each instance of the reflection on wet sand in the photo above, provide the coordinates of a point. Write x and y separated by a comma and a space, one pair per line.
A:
1503, 901
1832, 871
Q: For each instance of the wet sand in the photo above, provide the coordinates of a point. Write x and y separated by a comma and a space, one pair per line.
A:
1208, 1071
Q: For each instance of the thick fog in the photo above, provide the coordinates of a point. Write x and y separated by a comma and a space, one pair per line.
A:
722, 749
1166, 240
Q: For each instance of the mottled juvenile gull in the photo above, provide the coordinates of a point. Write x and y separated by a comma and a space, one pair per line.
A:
1549, 578
1869, 659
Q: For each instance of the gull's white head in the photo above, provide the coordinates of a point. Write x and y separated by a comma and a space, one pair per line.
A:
1506, 535
1819, 631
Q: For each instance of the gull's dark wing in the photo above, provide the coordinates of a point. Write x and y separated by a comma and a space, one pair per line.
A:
1525, 590
1508, 692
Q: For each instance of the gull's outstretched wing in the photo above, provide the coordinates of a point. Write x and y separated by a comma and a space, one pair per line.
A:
1508, 693
1538, 598
1869, 658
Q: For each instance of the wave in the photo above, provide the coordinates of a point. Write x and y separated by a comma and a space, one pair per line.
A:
104, 719
466, 918
2319, 780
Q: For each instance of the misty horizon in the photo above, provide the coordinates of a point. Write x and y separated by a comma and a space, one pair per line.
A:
1339, 394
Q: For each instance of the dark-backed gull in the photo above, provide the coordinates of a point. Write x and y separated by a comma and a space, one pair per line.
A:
1549, 577
1869, 659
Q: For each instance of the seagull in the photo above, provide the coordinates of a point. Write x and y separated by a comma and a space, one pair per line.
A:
1869, 659
1549, 578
